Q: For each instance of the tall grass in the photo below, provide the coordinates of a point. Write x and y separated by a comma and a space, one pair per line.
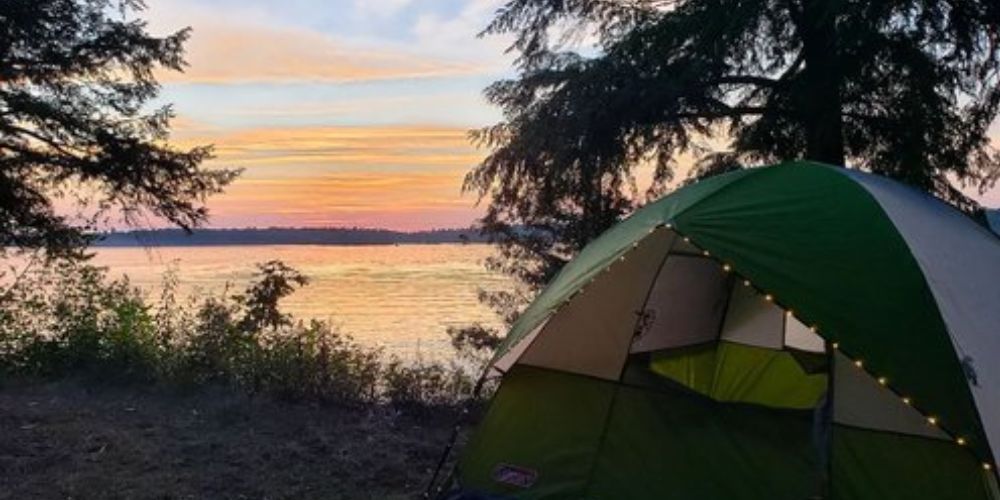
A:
69, 318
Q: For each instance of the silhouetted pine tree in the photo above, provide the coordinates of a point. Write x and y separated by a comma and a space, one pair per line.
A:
76, 81
905, 88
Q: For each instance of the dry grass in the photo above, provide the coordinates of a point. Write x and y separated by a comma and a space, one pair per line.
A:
74, 440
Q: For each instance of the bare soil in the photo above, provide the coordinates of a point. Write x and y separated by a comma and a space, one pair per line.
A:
80, 440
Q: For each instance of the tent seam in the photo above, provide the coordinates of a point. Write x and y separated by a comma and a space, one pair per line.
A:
621, 373
957, 349
543, 322
734, 183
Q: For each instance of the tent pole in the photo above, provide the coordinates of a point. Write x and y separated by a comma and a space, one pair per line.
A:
462, 420
828, 420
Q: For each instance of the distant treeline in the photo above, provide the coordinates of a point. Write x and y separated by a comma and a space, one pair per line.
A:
315, 236
285, 236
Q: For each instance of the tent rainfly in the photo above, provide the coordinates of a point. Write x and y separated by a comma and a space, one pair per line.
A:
789, 332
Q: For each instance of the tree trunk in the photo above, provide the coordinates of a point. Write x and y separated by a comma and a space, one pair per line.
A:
820, 101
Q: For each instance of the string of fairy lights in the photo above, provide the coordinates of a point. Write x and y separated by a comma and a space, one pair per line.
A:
930, 418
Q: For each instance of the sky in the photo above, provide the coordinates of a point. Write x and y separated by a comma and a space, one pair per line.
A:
341, 112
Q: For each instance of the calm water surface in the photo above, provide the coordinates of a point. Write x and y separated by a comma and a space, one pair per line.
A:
400, 297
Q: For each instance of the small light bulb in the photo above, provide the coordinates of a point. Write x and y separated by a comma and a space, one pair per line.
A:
789, 313
882, 381
670, 226
859, 363
932, 420
746, 282
727, 268
769, 298
687, 240
835, 345
960, 441
987, 466
907, 401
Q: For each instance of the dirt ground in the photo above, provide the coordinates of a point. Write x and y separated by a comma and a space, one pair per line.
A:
75, 440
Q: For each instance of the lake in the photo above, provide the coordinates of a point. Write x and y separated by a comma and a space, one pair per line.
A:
402, 298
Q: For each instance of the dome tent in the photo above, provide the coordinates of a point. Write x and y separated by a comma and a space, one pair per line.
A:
794, 331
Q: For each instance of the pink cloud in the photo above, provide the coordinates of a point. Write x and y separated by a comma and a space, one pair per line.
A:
243, 54
402, 177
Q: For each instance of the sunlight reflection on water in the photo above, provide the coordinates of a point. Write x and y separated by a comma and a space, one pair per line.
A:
400, 297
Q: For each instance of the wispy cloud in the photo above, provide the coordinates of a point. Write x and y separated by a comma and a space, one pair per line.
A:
359, 148
458, 33
253, 54
406, 177
272, 83
392, 200
246, 44
381, 8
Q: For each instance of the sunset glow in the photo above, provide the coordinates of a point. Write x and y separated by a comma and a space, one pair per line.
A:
342, 113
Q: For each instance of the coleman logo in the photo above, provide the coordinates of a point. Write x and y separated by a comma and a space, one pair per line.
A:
514, 476
645, 319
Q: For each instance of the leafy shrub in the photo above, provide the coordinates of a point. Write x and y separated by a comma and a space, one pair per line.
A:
68, 317
423, 383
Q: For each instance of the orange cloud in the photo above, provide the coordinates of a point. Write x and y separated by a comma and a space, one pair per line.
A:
396, 200
226, 53
406, 177
304, 147
352, 191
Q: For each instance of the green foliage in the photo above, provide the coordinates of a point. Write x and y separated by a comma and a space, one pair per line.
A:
76, 85
275, 280
422, 383
903, 88
68, 318
475, 344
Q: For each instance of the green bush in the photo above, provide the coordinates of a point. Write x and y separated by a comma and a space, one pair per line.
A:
422, 383
68, 318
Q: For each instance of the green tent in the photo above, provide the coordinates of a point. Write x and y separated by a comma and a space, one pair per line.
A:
789, 332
